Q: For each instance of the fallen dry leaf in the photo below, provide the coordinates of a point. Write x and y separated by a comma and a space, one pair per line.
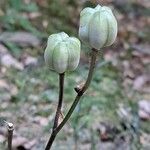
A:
2, 138
43, 121
3, 84
140, 81
142, 48
18, 141
107, 131
145, 139
145, 3
8, 87
30, 144
3, 50
144, 109
7, 60
30, 61
20, 38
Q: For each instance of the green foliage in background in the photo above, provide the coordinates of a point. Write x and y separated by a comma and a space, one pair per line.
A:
39, 86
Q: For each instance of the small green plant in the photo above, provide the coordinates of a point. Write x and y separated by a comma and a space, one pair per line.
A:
98, 28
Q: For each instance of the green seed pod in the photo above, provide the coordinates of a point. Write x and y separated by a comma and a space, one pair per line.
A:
98, 27
62, 52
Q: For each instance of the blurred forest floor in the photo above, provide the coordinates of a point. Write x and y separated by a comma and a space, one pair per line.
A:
115, 112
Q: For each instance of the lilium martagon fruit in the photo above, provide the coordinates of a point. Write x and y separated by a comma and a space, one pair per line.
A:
62, 52
98, 27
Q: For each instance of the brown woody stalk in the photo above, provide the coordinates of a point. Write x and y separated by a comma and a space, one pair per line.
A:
61, 89
80, 92
58, 111
10, 128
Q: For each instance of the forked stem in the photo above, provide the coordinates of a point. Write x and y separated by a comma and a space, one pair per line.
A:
76, 101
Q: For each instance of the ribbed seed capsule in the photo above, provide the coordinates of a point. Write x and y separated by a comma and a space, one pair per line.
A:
98, 27
62, 52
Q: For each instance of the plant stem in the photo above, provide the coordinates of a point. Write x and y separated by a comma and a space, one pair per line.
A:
79, 95
10, 129
58, 111
61, 89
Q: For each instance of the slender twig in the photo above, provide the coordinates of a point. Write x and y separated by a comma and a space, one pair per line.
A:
10, 128
79, 95
58, 111
61, 89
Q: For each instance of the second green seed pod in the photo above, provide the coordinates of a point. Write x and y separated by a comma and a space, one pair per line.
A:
62, 52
